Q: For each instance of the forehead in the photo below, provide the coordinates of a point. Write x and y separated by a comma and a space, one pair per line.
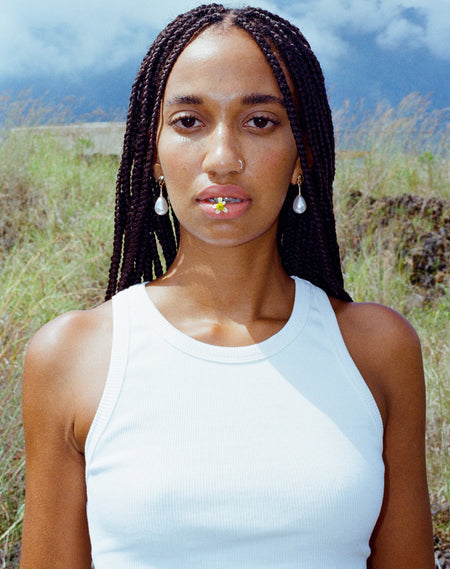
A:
223, 62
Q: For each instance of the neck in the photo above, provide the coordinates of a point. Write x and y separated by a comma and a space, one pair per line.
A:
240, 282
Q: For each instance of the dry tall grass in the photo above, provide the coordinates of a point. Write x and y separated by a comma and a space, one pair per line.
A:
392, 205
392, 201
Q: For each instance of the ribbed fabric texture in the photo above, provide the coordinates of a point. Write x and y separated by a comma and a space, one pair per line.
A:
254, 457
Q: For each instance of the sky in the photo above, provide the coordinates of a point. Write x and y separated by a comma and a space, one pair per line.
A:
70, 40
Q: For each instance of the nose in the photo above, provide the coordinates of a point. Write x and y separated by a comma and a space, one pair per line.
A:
222, 154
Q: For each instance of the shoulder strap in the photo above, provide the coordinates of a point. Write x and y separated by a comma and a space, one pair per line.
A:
116, 372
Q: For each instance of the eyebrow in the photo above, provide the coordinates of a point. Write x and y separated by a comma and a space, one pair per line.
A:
260, 98
185, 100
248, 100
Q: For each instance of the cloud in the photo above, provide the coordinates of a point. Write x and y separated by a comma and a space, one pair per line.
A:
54, 37
401, 33
415, 24
38, 37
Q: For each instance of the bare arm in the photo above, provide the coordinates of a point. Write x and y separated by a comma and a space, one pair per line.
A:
404, 529
59, 403
387, 351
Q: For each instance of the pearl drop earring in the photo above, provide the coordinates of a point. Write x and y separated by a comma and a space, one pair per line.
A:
161, 206
299, 205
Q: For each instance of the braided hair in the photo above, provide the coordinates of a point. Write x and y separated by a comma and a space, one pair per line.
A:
145, 244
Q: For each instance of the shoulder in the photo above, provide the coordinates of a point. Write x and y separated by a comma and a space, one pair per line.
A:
65, 369
382, 327
64, 339
385, 348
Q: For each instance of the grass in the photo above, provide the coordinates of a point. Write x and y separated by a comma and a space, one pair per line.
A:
392, 207
392, 202
55, 235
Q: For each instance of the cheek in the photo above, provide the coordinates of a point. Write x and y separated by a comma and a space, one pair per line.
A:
279, 160
275, 169
177, 160
178, 169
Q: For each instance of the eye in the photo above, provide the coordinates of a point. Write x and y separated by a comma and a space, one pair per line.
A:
186, 122
261, 122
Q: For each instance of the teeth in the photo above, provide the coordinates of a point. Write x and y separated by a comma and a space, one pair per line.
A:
224, 200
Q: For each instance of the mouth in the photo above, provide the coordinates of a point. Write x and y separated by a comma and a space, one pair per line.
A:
220, 204
226, 202
225, 193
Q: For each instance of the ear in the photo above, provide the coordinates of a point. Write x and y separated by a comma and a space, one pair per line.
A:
157, 170
296, 171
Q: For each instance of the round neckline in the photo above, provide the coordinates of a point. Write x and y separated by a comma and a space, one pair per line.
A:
230, 354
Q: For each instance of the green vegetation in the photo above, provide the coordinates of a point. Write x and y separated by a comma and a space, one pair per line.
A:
55, 241
392, 202
393, 215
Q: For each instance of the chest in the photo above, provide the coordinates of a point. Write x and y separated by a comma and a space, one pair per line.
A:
236, 456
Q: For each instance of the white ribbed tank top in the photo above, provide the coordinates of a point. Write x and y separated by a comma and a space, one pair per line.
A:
253, 457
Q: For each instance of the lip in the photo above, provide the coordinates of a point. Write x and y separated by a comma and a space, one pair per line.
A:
227, 191
234, 210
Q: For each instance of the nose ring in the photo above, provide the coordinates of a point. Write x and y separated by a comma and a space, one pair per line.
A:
241, 167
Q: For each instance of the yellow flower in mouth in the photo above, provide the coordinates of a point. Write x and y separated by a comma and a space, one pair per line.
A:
221, 206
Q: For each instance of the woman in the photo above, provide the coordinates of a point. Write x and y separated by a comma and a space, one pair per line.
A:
227, 413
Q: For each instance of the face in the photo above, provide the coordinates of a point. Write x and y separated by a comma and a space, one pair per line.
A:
225, 144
